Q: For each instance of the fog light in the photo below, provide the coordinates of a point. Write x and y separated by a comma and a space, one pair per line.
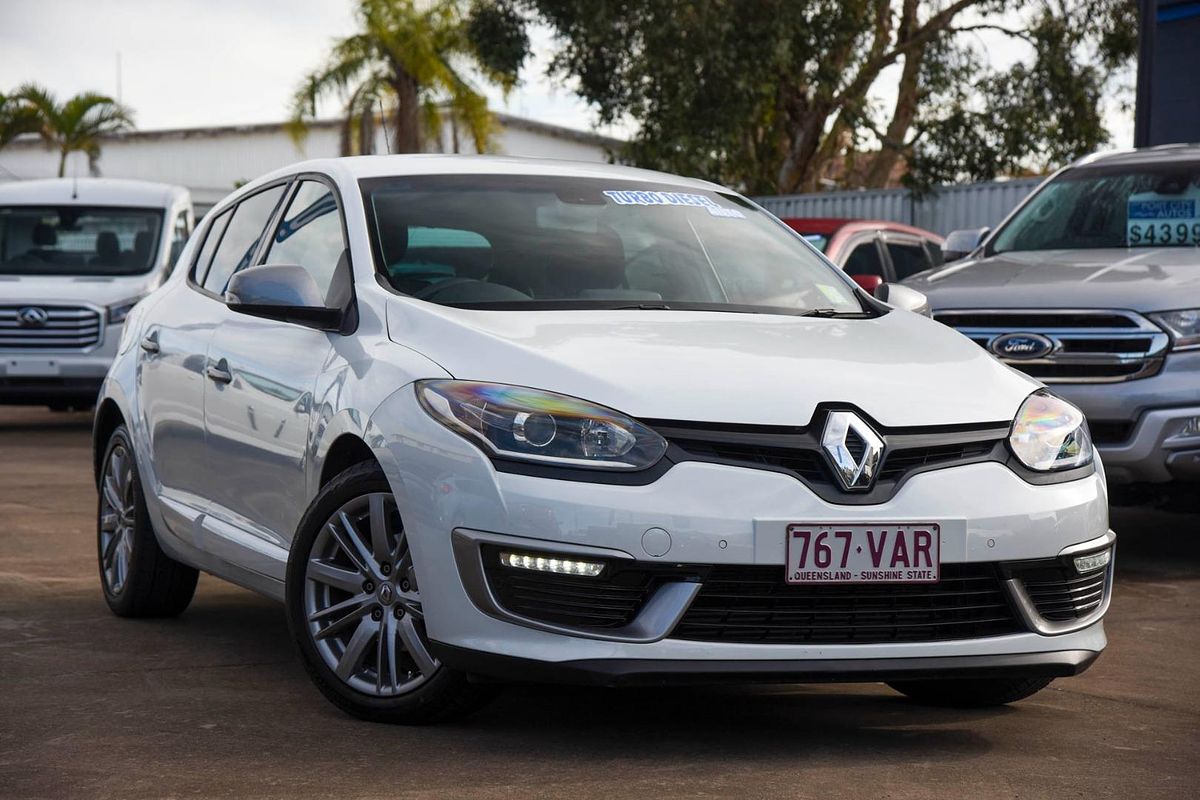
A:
1190, 428
559, 566
1092, 561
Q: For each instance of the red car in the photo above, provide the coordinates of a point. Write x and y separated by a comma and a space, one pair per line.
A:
872, 251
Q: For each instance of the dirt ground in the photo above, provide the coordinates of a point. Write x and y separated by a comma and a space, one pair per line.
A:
215, 704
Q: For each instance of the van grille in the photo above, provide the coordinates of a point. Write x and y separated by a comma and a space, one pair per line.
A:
64, 328
1088, 346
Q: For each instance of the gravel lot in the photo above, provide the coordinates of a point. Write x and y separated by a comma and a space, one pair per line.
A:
214, 704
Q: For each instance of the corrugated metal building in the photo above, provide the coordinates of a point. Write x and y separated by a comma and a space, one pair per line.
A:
212, 161
945, 209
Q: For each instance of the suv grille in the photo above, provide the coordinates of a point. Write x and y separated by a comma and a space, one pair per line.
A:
1088, 346
754, 604
65, 328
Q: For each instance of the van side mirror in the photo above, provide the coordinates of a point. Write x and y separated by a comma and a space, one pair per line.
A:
904, 298
283, 292
959, 244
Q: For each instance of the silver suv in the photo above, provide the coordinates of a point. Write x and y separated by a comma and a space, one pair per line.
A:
1093, 285
76, 255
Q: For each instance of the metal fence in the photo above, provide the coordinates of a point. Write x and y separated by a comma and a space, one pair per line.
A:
945, 209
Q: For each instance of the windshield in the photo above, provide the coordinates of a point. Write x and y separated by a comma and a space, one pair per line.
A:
1109, 207
78, 240
521, 242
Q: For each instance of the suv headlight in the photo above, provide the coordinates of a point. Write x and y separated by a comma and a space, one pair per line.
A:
531, 425
1050, 434
1184, 326
117, 313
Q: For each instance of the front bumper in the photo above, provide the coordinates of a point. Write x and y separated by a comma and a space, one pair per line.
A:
33, 377
1151, 413
713, 514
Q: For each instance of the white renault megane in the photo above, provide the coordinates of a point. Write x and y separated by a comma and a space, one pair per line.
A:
478, 419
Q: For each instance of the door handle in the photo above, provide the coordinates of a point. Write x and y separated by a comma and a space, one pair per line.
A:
219, 372
150, 342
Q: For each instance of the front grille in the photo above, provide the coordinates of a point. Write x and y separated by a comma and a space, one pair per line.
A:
1060, 593
65, 328
797, 451
753, 604
1088, 346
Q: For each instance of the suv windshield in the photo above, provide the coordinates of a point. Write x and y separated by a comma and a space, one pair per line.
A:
1109, 207
521, 242
78, 240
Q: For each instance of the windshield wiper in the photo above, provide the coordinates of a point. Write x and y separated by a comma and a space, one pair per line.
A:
643, 307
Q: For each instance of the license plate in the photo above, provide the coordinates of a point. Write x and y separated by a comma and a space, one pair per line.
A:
31, 367
875, 553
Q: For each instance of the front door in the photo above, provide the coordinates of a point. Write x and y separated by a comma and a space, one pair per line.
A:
260, 409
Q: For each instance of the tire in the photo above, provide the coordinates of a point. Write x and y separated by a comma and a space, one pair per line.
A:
364, 645
971, 692
138, 578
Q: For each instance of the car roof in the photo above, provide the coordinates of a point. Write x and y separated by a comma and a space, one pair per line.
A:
827, 226
91, 192
357, 167
1160, 154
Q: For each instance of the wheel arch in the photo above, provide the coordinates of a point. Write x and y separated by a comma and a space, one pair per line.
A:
344, 452
108, 418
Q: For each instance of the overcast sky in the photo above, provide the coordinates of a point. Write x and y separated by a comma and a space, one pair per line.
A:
194, 63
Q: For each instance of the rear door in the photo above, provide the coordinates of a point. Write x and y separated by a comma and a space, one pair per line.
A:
171, 362
260, 407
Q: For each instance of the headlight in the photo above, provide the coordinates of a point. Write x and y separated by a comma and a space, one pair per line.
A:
1184, 326
117, 313
532, 425
1050, 434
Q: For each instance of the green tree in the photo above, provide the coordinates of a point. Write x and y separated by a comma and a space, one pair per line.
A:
16, 117
414, 56
77, 124
781, 95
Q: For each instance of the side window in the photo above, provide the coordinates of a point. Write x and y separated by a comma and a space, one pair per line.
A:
310, 234
241, 238
936, 256
908, 258
179, 237
864, 260
212, 238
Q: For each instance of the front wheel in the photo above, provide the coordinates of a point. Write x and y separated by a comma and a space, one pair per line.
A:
971, 692
355, 612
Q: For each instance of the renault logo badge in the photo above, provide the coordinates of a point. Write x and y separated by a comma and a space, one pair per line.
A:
32, 317
853, 450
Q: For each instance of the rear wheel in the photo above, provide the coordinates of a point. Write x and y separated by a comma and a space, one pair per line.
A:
138, 578
971, 692
355, 610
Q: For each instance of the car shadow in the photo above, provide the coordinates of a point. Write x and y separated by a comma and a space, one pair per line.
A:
1154, 544
19, 419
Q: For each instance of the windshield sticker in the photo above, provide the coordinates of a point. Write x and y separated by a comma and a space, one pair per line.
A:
1157, 220
623, 197
832, 293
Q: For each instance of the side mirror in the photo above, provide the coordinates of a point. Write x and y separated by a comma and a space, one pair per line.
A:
283, 292
868, 282
959, 244
904, 298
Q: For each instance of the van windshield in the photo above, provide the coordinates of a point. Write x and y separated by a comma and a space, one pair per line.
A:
1114, 206
513, 242
78, 240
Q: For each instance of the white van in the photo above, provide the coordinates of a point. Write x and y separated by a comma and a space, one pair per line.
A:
75, 256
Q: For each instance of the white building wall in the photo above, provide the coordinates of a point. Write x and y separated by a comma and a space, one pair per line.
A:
211, 162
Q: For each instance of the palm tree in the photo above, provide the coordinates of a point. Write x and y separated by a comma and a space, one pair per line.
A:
16, 117
411, 58
77, 124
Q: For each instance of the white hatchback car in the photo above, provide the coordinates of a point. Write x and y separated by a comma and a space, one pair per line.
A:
480, 419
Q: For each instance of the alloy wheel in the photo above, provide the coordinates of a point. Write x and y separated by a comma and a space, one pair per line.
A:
117, 516
361, 600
